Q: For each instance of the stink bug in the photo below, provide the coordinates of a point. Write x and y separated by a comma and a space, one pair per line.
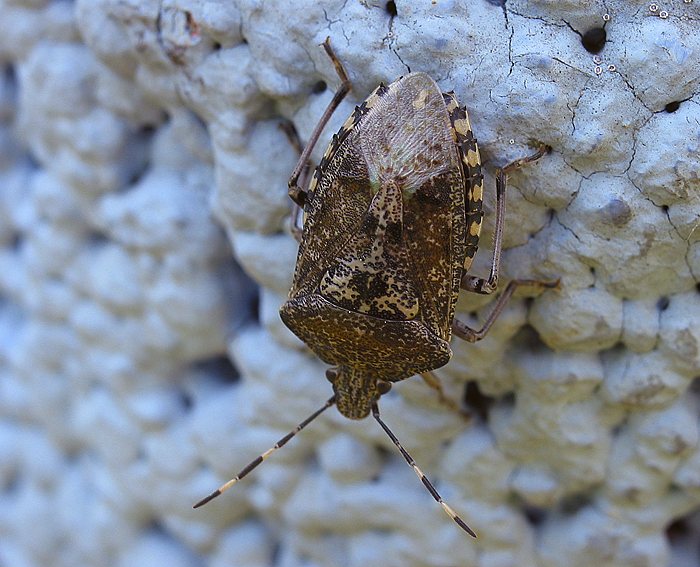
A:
392, 217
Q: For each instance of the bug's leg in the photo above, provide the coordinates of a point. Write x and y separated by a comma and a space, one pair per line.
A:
424, 479
287, 126
260, 458
465, 332
431, 379
297, 193
297, 212
488, 285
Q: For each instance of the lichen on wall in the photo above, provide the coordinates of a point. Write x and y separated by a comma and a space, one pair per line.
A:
145, 250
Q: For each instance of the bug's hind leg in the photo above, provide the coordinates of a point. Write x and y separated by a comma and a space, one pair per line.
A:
488, 285
463, 331
432, 380
297, 192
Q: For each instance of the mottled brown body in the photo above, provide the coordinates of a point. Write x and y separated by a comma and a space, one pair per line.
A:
391, 223
392, 218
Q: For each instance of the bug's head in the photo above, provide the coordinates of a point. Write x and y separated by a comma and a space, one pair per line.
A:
355, 390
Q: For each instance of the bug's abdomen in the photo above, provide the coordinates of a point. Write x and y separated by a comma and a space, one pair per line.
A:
391, 350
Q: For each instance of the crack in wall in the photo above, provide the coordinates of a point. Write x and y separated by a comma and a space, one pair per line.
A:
390, 39
328, 20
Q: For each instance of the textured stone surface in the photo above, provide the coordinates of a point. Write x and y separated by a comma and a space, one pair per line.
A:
142, 171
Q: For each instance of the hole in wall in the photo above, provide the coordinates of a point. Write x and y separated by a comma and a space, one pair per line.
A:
695, 386
618, 429
16, 241
186, 400
672, 106
507, 399
476, 401
594, 39
136, 176
594, 276
12, 482
147, 130
96, 238
144, 136
319, 87
219, 366
9, 73
527, 337
276, 553
663, 303
157, 527
255, 306
678, 530
390, 7
572, 504
534, 515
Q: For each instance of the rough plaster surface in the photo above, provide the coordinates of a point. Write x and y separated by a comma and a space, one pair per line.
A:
141, 164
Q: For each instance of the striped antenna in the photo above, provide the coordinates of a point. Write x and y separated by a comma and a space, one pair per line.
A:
424, 479
255, 462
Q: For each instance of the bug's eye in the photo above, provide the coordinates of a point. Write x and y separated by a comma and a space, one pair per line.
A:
383, 387
332, 375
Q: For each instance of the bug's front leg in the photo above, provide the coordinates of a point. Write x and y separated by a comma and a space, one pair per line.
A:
297, 193
489, 285
287, 126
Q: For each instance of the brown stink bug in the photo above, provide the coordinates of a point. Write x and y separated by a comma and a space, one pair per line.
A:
392, 217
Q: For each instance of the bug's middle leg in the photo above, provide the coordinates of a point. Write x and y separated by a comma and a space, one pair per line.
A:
488, 285
297, 192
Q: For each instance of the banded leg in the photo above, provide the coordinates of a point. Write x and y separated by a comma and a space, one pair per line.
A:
431, 379
255, 462
424, 479
296, 193
488, 286
463, 331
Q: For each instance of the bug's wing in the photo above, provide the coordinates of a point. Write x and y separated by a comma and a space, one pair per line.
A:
407, 134
401, 134
341, 196
408, 137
